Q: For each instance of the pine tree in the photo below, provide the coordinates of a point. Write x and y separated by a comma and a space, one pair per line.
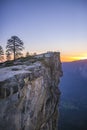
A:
15, 46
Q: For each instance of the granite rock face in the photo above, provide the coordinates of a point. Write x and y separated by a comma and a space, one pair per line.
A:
29, 94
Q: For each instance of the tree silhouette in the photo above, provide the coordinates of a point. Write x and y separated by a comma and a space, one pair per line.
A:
15, 46
1, 53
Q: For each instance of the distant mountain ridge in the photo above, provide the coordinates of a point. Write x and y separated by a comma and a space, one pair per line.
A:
79, 66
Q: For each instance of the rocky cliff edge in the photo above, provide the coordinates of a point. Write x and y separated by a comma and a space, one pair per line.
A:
29, 93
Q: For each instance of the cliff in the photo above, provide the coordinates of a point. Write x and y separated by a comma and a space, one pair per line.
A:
29, 93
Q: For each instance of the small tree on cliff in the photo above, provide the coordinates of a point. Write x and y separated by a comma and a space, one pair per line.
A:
27, 54
1, 53
8, 56
15, 46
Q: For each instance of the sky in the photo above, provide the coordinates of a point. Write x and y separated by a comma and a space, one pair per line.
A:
46, 25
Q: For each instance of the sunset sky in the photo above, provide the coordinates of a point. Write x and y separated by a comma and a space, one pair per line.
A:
46, 25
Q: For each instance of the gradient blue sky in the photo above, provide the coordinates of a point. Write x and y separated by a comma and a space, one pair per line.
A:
46, 25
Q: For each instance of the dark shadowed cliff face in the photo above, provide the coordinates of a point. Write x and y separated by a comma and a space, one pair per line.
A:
73, 99
29, 94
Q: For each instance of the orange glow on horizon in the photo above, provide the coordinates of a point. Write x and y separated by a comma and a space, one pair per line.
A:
68, 58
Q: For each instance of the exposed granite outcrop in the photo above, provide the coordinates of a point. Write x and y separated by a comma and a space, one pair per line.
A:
29, 94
